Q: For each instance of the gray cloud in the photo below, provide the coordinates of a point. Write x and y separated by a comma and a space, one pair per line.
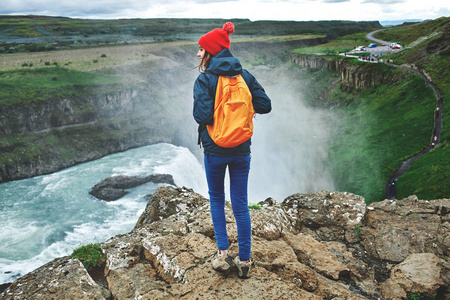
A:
384, 2
68, 8
335, 1
89, 7
209, 1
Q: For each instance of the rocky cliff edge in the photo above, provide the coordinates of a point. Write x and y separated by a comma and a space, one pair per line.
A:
324, 245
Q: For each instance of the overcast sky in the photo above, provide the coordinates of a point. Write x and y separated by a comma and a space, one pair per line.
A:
298, 10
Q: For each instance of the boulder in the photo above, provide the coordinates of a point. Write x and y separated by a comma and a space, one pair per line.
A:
327, 216
115, 187
419, 272
316, 255
395, 229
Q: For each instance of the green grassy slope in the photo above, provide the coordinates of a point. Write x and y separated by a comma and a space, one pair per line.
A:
376, 130
428, 177
342, 44
432, 55
34, 85
410, 33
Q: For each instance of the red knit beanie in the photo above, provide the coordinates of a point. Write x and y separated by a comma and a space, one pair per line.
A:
216, 40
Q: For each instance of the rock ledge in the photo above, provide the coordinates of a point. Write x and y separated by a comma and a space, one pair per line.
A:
325, 245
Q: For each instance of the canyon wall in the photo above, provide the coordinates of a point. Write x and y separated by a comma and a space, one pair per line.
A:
359, 76
55, 134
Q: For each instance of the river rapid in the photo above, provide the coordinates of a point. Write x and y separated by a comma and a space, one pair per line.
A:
45, 217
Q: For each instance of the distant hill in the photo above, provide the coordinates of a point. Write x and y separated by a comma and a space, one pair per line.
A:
398, 22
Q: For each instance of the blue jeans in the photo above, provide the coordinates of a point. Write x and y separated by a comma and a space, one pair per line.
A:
238, 167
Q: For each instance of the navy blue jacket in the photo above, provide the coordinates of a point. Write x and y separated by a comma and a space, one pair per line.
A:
224, 63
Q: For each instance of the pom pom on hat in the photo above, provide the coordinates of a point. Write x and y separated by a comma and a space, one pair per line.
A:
228, 27
218, 39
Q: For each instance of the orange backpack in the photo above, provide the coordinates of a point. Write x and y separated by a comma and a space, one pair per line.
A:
233, 113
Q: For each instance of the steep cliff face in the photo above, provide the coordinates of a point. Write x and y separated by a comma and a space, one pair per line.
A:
360, 76
321, 245
58, 113
58, 133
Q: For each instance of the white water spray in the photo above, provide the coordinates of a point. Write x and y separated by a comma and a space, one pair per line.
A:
289, 146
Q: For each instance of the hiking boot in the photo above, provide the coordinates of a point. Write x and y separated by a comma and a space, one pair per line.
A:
223, 262
243, 267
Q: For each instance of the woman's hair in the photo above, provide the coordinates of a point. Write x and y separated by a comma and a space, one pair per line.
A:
204, 63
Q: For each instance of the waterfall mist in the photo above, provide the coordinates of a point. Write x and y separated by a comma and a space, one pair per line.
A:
289, 146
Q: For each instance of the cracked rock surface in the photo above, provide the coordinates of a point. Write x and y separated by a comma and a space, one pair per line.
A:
324, 245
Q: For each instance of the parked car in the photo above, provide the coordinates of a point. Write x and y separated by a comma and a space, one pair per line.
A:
373, 45
360, 48
396, 46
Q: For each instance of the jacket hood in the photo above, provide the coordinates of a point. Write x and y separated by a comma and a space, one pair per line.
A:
224, 63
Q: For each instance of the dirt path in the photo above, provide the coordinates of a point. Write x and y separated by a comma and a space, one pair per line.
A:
64, 127
435, 136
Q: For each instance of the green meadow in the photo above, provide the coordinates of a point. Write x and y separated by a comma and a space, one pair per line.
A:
34, 85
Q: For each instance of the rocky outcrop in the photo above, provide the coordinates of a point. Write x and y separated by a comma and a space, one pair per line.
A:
403, 227
115, 187
64, 278
312, 246
419, 272
359, 76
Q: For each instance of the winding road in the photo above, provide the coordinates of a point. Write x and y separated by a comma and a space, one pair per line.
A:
370, 37
437, 129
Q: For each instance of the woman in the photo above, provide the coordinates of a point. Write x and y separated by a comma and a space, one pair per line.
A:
217, 60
